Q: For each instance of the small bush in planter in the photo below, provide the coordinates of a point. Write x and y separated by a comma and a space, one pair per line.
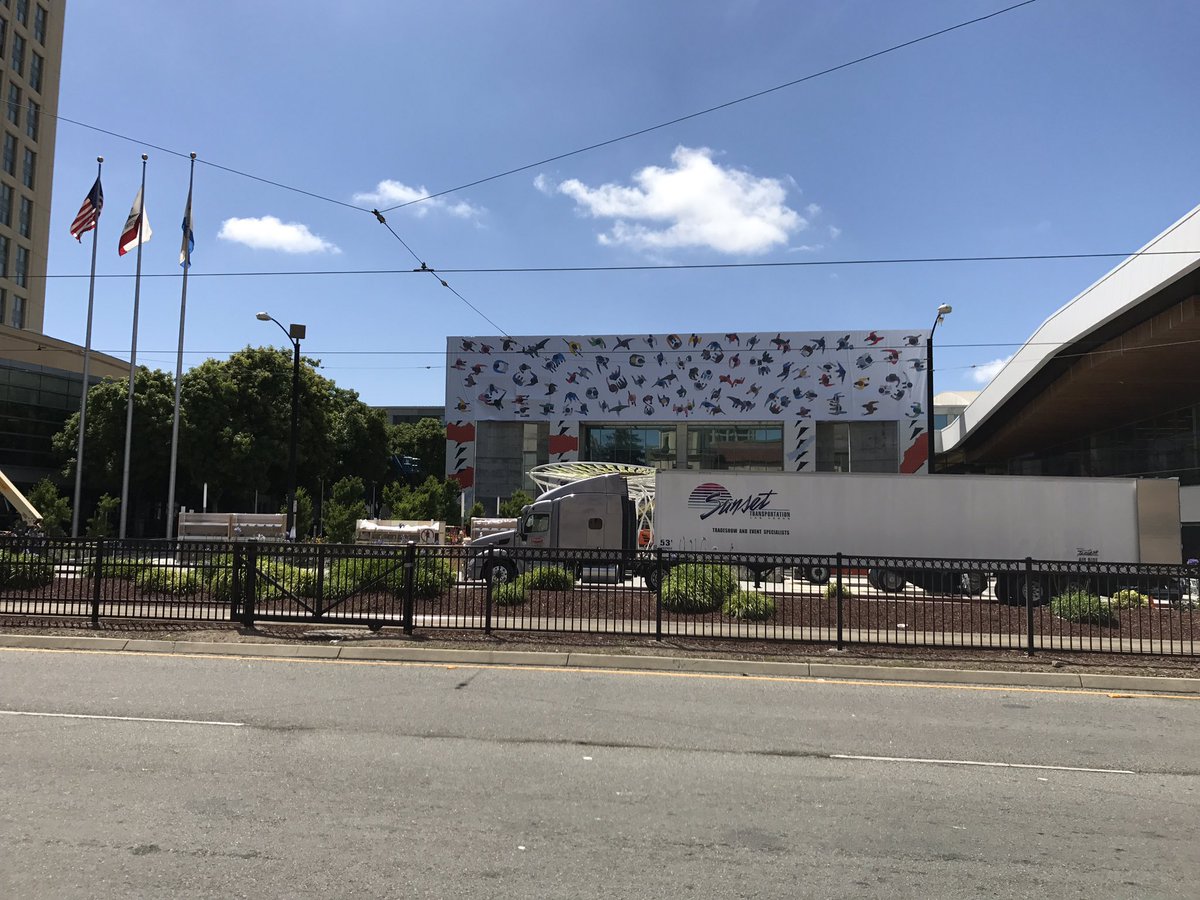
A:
168, 580
510, 594
24, 570
277, 580
1129, 598
1083, 608
548, 578
121, 567
831, 591
694, 588
432, 578
752, 605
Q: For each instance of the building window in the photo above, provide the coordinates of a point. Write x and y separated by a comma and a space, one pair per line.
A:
3, 306
29, 170
3, 36
858, 447
23, 12
39, 25
32, 116
18, 54
3, 256
18, 312
14, 104
6, 204
20, 268
10, 154
25, 223
631, 444
753, 448
35, 72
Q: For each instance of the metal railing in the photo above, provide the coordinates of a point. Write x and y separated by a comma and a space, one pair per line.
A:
1023, 604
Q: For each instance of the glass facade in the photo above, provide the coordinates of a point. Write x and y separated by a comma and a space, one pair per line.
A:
751, 448
631, 444
34, 405
1161, 446
858, 447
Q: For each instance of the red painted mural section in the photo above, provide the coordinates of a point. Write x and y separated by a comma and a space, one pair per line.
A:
463, 434
915, 456
562, 443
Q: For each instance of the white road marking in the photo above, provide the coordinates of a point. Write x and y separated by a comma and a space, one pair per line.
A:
972, 762
48, 715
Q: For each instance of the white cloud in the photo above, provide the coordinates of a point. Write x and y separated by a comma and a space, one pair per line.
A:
985, 372
542, 183
813, 210
393, 193
695, 203
268, 233
834, 232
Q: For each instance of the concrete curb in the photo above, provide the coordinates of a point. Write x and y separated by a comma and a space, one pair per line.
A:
614, 661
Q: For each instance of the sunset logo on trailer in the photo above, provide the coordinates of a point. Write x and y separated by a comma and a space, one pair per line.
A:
713, 499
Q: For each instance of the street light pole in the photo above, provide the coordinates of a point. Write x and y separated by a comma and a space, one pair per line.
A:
944, 310
295, 334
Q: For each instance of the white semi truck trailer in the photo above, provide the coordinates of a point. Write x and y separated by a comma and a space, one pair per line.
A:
964, 517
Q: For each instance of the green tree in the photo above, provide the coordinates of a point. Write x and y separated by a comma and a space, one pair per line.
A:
432, 499
345, 505
104, 450
304, 513
100, 525
54, 507
511, 508
476, 511
425, 439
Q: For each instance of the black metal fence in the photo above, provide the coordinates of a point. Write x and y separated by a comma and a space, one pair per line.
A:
1025, 604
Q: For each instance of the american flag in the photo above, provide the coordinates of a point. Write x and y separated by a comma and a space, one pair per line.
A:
89, 213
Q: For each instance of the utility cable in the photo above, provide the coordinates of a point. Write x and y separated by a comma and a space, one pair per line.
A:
712, 109
666, 267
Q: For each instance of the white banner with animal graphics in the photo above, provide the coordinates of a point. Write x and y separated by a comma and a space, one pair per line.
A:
735, 376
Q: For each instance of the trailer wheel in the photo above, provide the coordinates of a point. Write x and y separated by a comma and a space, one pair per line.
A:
500, 571
1010, 589
650, 576
890, 581
817, 574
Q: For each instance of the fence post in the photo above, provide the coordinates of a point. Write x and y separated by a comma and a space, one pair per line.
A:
1029, 605
251, 593
658, 580
838, 589
320, 581
410, 564
235, 583
487, 596
97, 580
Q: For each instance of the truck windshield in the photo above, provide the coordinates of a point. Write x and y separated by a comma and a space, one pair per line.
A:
537, 523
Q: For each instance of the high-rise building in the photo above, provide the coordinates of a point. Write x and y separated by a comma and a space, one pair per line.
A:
31, 35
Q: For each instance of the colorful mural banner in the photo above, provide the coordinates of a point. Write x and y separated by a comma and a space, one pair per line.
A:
735, 376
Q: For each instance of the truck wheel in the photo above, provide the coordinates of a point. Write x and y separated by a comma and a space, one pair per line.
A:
890, 581
817, 574
502, 571
650, 576
1010, 589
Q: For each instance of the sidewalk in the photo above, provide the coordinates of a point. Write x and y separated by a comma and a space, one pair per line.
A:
581, 660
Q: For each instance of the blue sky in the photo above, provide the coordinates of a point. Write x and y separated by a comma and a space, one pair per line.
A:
1066, 126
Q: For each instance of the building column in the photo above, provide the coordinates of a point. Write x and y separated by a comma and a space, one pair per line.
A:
562, 444
460, 458
800, 445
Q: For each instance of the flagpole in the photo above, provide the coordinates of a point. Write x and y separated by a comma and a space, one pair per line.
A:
87, 360
137, 288
187, 264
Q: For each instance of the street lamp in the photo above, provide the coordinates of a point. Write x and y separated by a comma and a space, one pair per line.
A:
295, 334
944, 310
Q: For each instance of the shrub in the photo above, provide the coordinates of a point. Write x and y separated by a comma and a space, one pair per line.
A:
121, 566
219, 583
432, 578
24, 570
831, 591
752, 605
277, 580
1084, 608
548, 578
510, 594
697, 588
1128, 598
168, 580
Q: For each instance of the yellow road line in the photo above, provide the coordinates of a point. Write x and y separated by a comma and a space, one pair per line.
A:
783, 679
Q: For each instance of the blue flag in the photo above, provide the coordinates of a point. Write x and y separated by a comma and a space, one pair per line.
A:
189, 239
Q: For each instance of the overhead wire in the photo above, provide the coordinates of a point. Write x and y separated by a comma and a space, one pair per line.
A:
704, 112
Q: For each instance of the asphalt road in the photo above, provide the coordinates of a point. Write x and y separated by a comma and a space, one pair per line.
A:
339, 779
